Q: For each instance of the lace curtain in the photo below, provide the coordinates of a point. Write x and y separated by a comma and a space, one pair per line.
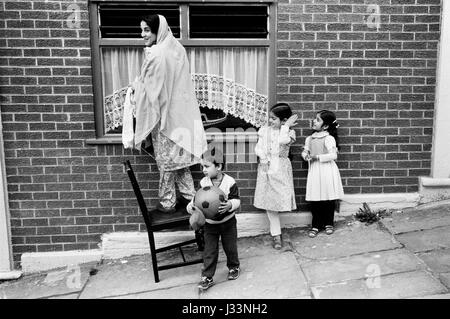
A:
234, 80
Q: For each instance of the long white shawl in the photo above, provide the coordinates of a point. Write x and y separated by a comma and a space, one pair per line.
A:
164, 92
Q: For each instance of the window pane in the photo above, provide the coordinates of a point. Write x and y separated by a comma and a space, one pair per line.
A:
230, 21
122, 21
120, 66
231, 84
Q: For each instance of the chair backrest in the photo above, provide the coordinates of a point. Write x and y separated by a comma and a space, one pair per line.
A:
137, 192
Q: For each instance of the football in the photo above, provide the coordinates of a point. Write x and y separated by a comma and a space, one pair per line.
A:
208, 199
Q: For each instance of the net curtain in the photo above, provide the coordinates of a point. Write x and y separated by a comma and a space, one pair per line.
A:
234, 80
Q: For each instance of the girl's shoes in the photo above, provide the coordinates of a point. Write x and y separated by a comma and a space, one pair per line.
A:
313, 232
277, 242
329, 230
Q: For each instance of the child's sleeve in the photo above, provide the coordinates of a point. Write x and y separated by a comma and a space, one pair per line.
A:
260, 150
233, 197
287, 136
330, 145
306, 151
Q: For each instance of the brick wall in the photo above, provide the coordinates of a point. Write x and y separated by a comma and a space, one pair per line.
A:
64, 193
380, 83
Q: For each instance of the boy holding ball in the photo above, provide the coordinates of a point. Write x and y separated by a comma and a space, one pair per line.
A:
223, 225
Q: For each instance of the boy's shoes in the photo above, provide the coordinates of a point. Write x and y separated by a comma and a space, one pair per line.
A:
205, 283
233, 273
277, 242
329, 230
313, 232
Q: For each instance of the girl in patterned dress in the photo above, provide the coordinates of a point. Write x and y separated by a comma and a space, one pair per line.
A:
275, 184
323, 185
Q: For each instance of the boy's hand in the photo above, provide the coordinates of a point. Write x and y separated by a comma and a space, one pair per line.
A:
224, 207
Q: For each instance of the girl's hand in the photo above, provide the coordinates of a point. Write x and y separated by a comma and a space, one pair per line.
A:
224, 207
314, 158
292, 121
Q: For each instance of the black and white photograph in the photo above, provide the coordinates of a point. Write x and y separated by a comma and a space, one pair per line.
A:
216, 157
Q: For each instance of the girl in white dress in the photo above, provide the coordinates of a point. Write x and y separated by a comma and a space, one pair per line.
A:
323, 185
275, 184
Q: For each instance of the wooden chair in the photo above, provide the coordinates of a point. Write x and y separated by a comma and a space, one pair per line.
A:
157, 221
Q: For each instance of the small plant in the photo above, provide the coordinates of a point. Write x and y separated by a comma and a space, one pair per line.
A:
368, 216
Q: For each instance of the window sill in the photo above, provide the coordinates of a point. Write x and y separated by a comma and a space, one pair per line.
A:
104, 140
220, 136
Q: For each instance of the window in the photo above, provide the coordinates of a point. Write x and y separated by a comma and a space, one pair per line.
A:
230, 47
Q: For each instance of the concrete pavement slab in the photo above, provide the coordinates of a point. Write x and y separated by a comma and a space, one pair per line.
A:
135, 275
69, 296
425, 217
54, 283
181, 292
275, 276
138, 273
426, 240
402, 285
361, 266
440, 296
437, 260
346, 240
445, 279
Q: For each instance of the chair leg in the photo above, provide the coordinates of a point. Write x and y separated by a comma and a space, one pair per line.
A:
182, 255
151, 240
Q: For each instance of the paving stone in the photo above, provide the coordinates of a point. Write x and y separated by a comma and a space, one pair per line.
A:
276, 276
346, 241
445, 279
181, 292
437, 260
70, 296
420, 218
361, 266
426, 240
403, 285
440, 296
135, 275
54, 283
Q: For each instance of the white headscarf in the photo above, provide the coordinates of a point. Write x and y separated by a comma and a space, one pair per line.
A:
165, 92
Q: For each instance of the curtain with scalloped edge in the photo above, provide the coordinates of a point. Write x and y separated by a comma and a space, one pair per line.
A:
234, 80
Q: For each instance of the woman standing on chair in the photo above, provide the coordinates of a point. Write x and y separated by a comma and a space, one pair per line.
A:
166, 108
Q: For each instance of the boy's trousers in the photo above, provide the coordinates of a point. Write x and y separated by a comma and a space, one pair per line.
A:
227, 231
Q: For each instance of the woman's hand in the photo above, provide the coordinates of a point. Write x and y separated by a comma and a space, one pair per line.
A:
292, 121
131, 87
314, 158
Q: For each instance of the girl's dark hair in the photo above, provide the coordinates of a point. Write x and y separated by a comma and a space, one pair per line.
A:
329, 118
153, 22
282, 111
